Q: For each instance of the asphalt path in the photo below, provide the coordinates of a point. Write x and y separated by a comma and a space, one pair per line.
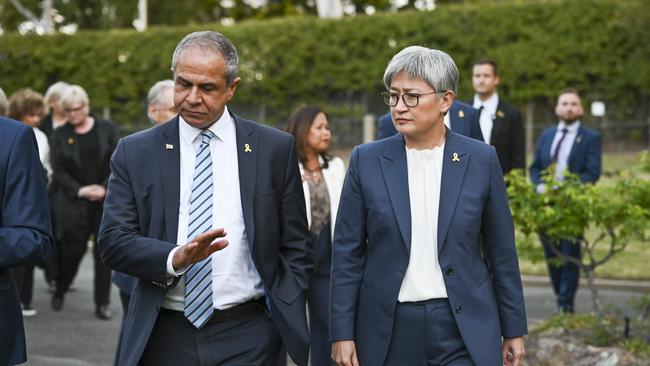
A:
75, 337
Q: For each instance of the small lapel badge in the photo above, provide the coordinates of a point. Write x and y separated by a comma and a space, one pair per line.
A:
169, 147
247, 148
500, 114
578, 139
461, 114
455, 157
70, 141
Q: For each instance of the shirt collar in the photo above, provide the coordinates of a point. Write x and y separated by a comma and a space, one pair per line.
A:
572, 128
490, 104
224, 128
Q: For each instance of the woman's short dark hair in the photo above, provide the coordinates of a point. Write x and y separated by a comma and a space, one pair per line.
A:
25, 102
299, 124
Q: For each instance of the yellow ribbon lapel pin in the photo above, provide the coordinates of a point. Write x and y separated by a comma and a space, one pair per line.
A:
461, 114
247, 148
455, 157
500, 114
70, 141
169, 147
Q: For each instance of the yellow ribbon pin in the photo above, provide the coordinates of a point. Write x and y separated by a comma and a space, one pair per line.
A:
579, 139
461, 114
247, 148
500, 114
70, 141
455, 157
169, 147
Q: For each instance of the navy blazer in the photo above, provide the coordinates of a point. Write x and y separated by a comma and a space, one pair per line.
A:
463, 119
140, 223
585, 158
25, 229
476, 248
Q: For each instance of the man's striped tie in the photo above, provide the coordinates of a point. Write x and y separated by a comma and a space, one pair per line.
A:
198, 279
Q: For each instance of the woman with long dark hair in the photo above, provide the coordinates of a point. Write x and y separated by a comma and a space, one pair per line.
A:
322, 177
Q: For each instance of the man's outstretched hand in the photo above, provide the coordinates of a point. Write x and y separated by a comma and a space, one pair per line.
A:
199, 248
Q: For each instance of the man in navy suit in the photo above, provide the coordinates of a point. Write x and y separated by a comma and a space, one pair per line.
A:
567, 147
207, 212
25, 229
424, 264
461, 118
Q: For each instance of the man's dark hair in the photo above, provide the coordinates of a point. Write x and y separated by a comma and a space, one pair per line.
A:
569, 90
488, 62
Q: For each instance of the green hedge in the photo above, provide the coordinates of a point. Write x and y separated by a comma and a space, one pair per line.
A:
601, 47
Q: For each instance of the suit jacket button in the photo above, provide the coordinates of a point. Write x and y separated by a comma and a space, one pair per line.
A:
450, 271
459, 309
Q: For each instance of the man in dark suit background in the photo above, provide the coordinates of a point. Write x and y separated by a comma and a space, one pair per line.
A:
461, 118
500, 122
25, 232
179, 186
567, 147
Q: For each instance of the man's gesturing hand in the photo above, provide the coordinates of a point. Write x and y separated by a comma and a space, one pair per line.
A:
199, 248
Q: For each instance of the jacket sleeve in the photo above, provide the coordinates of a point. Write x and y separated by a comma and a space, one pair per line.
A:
25, 228
348, 255
498, 234
518, 157
593, 163
295, 245
122, 246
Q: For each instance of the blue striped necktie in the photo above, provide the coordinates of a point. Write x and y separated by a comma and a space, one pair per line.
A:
198, 279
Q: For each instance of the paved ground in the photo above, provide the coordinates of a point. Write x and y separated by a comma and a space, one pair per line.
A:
75, 337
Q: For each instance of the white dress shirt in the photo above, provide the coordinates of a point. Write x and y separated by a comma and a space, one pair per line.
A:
423, 278
234, 277
565, 148
488, 114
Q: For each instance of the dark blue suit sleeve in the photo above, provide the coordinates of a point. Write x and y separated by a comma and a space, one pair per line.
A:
593, 160
348, 255
121, 244
295, 247
498, 234
25, 228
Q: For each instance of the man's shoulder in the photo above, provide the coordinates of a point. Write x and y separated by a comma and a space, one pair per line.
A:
589, 132
507, 108
266, 132
11, 128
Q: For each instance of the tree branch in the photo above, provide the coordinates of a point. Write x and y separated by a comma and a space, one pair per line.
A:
24, 11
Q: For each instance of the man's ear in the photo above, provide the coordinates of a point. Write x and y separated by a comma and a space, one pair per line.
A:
233, 87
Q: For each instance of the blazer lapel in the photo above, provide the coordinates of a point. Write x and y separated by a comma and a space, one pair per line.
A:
577, 145
247, 149
395, 170
454, 165
169, 157
498, 122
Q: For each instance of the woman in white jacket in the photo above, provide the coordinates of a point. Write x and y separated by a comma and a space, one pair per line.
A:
322, 180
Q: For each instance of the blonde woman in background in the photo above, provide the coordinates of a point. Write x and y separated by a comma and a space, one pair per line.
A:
322, 177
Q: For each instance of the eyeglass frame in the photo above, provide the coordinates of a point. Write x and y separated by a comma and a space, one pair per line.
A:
386, 95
